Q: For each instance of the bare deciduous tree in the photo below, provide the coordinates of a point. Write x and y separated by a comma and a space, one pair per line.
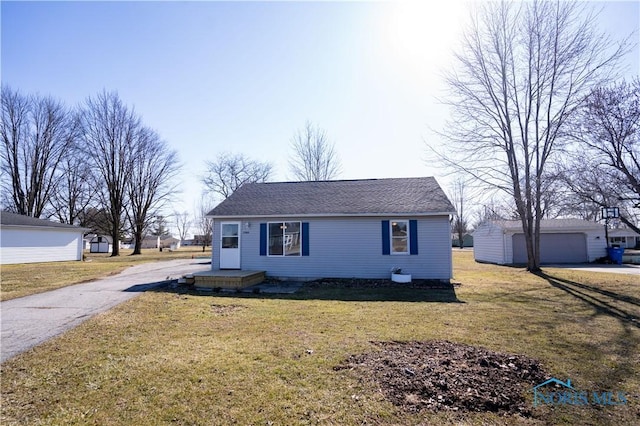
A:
204, 223
608, 132
183, 224
591, 187
314, 157
230, 171
151, 182
109, 129
459, 195
37, 133
523, 68
76, 189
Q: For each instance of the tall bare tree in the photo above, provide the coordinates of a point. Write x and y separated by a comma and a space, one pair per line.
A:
183, 224
108, 130
608, 132
204, 223
460, 195
151, 182
230, 171
314, 157
37, 133
522, 70
76, 189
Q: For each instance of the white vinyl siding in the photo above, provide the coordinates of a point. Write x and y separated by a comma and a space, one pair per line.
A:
489, 244
30, 245
493, 244
349, 248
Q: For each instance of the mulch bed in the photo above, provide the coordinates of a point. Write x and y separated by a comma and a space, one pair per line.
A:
441, 375
375, 283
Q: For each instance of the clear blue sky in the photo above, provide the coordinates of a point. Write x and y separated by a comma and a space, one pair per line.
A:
242, 77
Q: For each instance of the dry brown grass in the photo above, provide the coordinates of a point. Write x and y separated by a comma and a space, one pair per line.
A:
31, 278
190, 359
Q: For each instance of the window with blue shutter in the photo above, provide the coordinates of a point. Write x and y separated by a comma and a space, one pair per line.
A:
413, 237
386, 244
400, 237
263, 239
284, 239
305, 238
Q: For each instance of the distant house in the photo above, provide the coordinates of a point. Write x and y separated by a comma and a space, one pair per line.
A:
25, 239
339, 229
624, 237
163, 241
561, 241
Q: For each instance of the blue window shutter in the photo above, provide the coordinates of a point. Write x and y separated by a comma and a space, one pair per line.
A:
413, 237
305, 238
386, 244
263, 239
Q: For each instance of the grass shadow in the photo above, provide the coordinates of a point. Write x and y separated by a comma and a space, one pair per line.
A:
155, 286
443, 293
602, 301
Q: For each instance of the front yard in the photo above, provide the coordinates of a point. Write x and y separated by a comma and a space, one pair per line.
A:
169, 358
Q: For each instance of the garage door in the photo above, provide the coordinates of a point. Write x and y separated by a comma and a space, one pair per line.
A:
554, 248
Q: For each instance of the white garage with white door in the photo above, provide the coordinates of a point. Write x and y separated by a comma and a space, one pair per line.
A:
25, 239
561, 241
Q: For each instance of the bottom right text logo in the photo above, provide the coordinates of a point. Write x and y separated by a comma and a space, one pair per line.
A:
557, 392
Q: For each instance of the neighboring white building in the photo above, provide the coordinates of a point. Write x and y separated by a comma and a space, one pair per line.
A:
163, 241
624, 237
25, 239
100, 244
561, 241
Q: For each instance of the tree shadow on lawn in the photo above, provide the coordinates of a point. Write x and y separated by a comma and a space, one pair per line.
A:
623, 346
600, 300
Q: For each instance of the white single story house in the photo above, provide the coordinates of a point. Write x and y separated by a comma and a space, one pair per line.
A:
24, 239
624, 237
561, 241
335, 229
162, 241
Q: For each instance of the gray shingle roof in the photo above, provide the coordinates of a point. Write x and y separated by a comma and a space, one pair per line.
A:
551, 224
13, 219
416, 196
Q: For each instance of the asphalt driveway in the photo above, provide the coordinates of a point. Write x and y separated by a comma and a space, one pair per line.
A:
613, 269
31, 320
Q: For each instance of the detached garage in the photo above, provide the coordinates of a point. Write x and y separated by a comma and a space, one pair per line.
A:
561, 241
25, 239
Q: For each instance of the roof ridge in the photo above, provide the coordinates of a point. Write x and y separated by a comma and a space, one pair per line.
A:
346, 180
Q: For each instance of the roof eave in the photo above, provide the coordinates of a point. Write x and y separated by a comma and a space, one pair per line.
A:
58, 228
389, 214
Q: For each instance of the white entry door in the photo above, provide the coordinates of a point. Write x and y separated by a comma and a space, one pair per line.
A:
230, 245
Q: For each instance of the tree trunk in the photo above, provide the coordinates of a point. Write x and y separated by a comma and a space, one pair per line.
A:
115, 237
137, 234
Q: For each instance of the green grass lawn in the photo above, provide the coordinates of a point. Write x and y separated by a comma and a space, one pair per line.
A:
31, 278
168, 358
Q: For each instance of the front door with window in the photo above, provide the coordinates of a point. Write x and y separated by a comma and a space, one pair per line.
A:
230, 245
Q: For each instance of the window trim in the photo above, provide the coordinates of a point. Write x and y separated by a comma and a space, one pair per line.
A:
268, 234
391, 238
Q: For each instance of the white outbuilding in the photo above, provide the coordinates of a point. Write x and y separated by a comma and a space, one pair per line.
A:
561, 241
24, 239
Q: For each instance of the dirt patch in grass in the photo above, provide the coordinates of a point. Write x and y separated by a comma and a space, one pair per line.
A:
441, 375
225, 309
